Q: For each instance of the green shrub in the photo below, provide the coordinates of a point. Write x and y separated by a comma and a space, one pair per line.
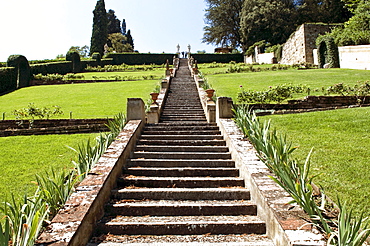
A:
96, 56
8, 79
62, 67
74, 57
22, 69
327, 51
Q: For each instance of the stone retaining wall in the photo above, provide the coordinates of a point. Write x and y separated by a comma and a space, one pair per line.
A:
59, 126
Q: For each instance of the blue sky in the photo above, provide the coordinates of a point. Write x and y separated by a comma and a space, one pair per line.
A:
42, 29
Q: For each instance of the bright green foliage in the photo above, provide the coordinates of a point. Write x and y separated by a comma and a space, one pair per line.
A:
100, 29
356, 30
119, 43
223, 23
32, 111
82, 51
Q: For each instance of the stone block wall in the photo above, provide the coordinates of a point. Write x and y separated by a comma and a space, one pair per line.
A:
299, 47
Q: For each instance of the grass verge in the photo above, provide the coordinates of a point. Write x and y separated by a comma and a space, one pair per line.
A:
341, 142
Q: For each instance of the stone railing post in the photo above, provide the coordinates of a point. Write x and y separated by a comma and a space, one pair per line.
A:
211, 111
224, 108
135, 109
153, 114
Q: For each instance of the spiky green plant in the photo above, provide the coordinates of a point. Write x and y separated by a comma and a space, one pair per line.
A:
26, 219
352, 231
4, 232
55, 188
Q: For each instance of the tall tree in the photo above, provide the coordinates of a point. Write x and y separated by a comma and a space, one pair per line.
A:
124, 27
130, 40
326, 11
100, 28
114, 24
269, 20
222, 23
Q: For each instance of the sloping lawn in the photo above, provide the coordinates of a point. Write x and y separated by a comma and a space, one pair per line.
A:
93, 100
22, 157
341, 157
229, 84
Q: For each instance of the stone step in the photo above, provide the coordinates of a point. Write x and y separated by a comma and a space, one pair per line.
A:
180, 182
185, 240
182, 148
179, 127
183, 225
182, 137
181, 132
181, 208
185, 124
183, 142
183, 172
179, 163
183, 118
182, 194
180, 155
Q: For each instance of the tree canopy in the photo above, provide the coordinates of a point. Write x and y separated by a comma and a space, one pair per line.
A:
100, 29
114, 24
222, 23
240, 23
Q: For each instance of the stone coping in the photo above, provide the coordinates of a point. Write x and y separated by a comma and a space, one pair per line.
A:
285, 222
75, 222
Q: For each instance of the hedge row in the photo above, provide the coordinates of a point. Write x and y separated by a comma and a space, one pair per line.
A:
140, 59
222, 58
7, 77
52, 67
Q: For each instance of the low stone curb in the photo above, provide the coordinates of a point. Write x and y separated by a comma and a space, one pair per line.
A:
285, 223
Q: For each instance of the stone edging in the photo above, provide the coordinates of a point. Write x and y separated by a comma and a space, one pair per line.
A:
284, 222
75, 222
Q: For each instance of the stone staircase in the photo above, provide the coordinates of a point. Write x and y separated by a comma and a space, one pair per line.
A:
180, 185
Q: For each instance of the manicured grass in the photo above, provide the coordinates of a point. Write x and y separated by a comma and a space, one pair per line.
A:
93, 100
341, 142
229, 84
22, 157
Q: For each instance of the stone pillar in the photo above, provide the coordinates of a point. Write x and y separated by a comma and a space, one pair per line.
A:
135, 109
153, 114
211, 111
164, 84
224, 107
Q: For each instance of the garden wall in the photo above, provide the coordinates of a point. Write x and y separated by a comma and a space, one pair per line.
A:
140, 59
224, 58
300, 45
355, 57
58, 126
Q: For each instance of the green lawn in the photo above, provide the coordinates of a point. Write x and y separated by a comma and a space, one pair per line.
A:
229, 84
341, 142
93, 100
22, 157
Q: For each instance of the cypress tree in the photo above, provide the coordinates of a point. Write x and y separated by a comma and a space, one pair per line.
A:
129, 41
100, 29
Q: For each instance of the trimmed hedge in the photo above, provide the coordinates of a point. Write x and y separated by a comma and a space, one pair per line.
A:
74, 57
140, 59
222, 58
8, 79
23, 71
53, 67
